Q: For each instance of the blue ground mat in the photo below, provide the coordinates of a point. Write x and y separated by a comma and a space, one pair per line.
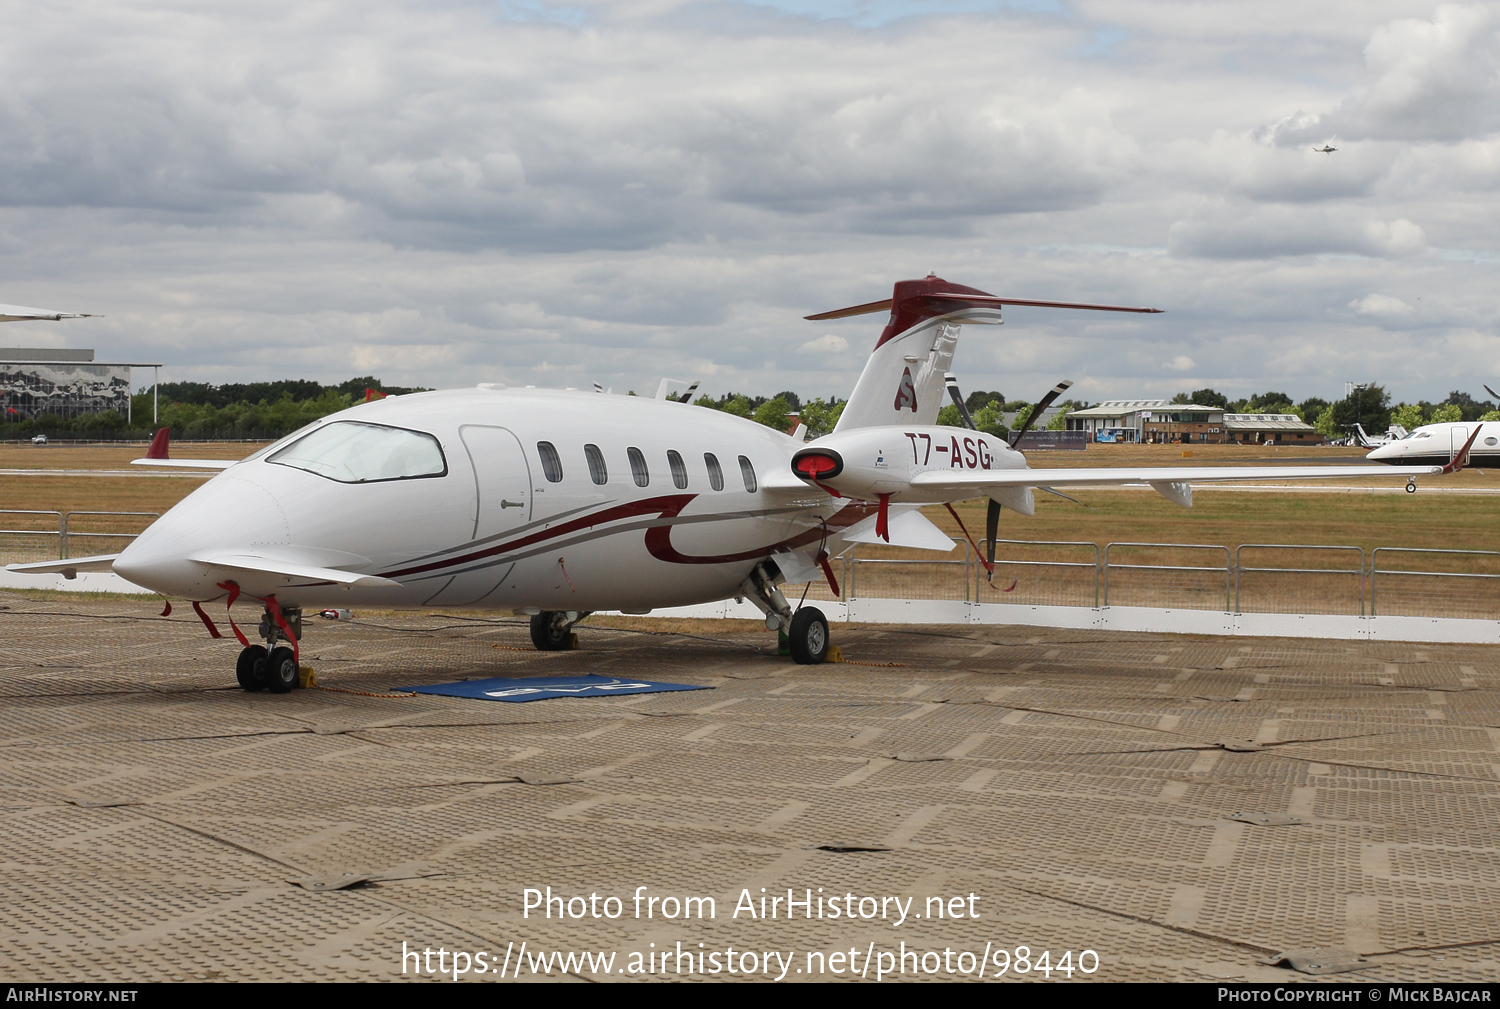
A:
541, 688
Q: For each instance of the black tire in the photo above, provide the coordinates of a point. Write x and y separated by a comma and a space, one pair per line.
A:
250, 668
546, 635
809, 636
281, 671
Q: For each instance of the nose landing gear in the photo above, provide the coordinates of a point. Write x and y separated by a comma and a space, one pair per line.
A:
271, 666
1411, 486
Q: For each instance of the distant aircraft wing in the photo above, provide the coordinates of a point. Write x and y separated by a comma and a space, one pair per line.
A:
281, 568
20, 313
186, 463
68, 568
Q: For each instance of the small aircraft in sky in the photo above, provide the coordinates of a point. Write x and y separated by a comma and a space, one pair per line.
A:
556, 504
1325, 149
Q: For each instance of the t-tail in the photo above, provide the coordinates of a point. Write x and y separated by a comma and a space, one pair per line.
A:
903, 380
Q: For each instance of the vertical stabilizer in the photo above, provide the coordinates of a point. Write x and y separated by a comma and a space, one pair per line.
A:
903, 380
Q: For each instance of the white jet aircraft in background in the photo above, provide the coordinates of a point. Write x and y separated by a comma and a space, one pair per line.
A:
557, 504
1468, 443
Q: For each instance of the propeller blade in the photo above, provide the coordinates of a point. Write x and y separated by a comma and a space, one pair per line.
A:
991, 530
1041, 407
1492, 392
951, 380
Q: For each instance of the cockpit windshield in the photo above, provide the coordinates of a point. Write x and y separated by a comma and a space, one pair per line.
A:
352, 452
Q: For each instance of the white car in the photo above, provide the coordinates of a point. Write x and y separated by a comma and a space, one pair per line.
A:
40, 439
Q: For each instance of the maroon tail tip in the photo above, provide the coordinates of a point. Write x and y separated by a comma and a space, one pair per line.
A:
160, 444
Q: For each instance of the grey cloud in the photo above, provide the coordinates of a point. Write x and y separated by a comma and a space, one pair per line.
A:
1435, 79
1269, 231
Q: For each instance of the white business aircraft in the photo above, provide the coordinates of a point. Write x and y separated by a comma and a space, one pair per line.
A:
1468, 443
556, 504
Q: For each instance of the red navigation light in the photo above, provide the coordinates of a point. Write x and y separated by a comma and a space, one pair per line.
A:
812, 466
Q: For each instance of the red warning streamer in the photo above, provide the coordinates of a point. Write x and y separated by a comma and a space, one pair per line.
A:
213, 631
233, 588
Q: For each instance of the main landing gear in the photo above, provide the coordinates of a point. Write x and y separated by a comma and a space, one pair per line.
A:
271, 666
806, 629
552, 630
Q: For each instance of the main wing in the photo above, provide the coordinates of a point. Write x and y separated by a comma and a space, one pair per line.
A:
1172, 482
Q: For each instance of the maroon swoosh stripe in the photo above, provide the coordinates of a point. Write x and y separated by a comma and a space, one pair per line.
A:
658, 538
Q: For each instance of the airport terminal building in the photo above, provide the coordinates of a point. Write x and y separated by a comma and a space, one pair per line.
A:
62, 383
1157, 421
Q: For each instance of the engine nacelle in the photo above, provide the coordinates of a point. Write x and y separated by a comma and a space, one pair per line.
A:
869, 462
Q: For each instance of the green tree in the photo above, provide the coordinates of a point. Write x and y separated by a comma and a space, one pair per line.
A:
706, 400
740, 406
1326, 424
774, 413
1448, 413
1370, 407
1490, 415
1059, 421
1208, 397
977, 401
990, 420
1311, 408
1408, 415
821, 417
1022, 416
949, 416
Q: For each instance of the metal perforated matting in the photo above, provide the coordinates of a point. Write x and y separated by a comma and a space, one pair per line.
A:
1079, 784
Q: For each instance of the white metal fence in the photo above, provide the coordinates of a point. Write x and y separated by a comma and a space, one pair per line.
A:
1297, 578
54, 535
1301, 578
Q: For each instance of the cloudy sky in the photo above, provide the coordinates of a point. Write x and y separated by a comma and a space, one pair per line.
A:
444, 193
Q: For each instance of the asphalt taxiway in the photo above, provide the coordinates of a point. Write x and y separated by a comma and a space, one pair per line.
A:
1183, 807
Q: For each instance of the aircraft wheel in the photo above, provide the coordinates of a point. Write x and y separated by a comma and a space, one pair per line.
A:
250, 668
281, 670
547, 635
1411, 487
808, 636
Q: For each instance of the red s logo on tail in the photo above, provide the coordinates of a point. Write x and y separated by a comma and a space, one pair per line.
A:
906, 393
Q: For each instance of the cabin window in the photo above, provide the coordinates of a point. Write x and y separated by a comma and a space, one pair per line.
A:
678, 468
638, 471
551, 462
748, 472
597, 471
354, 452
715, 471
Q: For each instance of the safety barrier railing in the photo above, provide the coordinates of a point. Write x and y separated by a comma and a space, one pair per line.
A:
1415, 590
1267, 585
891, 574
99, 541
56, 536
1040, 573
37, 539
1167, 586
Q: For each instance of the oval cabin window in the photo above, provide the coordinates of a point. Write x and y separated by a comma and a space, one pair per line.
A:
638, 471
747, 471
715, 471
597, 471
551, 462
678, 468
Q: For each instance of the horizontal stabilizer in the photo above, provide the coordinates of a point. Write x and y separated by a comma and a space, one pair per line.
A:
280, 568
984, 300
68, 567
186, 463
908, 528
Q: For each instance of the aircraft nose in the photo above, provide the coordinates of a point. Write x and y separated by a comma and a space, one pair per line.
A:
227, 513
